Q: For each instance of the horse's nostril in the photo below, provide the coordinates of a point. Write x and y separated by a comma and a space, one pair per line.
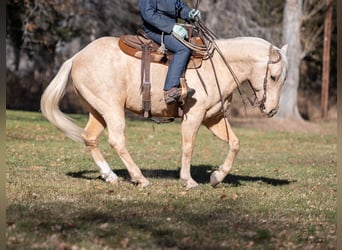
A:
272, 113
262, 107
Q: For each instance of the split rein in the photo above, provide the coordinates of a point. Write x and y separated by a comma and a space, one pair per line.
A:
208, 37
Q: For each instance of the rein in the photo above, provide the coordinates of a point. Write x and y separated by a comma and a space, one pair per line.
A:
210, 45
209, 38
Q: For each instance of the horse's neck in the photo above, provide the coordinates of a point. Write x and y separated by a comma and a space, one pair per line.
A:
243, 53
244, 49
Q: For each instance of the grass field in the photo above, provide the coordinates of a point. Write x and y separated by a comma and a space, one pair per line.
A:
281, 193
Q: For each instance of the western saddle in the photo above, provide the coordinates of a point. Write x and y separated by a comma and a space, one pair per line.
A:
145, 49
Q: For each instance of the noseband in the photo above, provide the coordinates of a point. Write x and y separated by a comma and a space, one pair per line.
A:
261, 103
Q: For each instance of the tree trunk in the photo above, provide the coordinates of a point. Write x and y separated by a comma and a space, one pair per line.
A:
326, 60
288, 106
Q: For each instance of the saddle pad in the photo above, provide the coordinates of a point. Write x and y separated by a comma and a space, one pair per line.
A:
132, 46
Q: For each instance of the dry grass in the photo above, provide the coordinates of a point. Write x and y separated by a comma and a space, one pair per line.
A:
281, 193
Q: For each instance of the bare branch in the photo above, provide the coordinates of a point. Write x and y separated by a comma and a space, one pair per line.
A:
311, 9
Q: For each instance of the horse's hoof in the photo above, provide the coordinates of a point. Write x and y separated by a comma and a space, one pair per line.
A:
189, 184
114, 182
111, 178
141, 183
216, 178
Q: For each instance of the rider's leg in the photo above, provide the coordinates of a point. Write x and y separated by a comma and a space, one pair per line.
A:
181, 55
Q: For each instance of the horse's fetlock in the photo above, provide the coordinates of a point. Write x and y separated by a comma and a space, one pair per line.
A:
109, 176
224, 169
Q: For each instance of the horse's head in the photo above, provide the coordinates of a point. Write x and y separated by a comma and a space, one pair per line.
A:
269, 77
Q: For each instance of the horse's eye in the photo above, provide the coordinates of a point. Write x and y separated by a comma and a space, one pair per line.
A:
273, 78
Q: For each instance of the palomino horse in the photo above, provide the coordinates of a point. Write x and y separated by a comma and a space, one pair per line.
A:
109, 82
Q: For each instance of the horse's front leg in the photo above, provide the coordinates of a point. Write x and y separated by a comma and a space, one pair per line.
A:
223, 130
190, 126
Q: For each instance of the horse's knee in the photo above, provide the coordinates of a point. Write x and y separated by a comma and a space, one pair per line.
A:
118, 145
234, 144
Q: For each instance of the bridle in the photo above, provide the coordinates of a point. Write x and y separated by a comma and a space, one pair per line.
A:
261, 103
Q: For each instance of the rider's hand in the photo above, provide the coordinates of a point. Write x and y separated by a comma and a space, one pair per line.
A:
180, 31
194, 14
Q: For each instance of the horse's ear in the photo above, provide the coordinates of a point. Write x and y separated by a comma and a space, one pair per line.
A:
284, 48
274, 54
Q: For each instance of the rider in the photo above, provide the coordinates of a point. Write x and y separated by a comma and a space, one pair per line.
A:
160, 19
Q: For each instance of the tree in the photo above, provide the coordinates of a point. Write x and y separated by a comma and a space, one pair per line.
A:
34, 28
14, 29
326, 59
303, 32
291, 36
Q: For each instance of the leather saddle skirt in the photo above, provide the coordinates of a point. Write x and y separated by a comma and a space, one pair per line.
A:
132, 45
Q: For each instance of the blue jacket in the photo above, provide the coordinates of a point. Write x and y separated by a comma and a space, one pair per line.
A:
161, 15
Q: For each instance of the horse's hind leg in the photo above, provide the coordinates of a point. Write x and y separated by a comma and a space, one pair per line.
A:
116, 129
223, 130
91, 134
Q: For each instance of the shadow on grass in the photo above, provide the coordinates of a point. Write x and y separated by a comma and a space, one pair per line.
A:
144, 224
200, 173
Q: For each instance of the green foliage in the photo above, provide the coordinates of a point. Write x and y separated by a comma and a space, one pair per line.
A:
280, 194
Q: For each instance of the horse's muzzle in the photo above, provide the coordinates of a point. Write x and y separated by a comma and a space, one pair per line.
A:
271, 113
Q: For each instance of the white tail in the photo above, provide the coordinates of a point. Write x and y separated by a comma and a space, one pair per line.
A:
49, 104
